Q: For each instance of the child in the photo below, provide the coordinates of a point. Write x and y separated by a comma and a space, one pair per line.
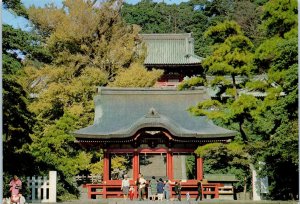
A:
131, 192
188, 196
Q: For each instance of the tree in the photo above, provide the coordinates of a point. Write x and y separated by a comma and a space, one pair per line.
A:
232, 56
270, 122
279, 56
17, 119
160, 17
151, 16
88, 36
19, 48
227, 159
247, 15
279, 17
16, 6
90, 45
136, 76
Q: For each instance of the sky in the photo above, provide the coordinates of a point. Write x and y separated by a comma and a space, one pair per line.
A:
19, 22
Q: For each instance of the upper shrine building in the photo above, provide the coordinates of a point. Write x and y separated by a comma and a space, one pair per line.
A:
174, 53
152, 127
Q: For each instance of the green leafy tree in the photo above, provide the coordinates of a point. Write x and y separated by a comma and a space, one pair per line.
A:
269, 122
229, 158
16, 6
232, 56
231, 59
247, 14
136, 76
17, 120
191, 82
118, 164
279, 17
279, 56
151, 16
19, 47
89, 45
160, 17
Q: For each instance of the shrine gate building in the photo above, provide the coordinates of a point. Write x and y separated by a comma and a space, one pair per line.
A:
153, 129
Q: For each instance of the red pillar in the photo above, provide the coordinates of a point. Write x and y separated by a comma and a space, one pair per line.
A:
199, 168
135, 167
105, 171
170, 174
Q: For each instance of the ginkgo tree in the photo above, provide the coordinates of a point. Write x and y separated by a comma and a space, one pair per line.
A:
90, 46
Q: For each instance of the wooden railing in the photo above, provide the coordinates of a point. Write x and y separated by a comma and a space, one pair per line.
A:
211, 190
112, 189
226, 192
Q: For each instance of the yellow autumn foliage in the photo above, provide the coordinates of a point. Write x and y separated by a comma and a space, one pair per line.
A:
136, 76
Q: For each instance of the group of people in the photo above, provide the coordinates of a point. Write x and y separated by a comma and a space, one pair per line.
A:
158, 189
15, 190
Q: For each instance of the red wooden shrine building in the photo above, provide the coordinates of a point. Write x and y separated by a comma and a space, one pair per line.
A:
153, 129
173, 53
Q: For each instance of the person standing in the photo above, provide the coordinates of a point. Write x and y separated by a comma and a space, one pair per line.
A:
153, 188
125, 186
199, 190
177, 189
167, 190
15, 185
160, 189
142, 186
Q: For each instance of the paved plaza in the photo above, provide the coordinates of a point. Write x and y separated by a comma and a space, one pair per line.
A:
210, 201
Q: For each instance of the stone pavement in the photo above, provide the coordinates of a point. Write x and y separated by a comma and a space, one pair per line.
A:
207, 201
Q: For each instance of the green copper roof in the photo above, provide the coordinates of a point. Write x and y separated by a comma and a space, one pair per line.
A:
220, 177
170, 49
121, 112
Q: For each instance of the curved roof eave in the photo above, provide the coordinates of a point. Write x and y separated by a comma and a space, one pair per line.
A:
123, 112
156, 122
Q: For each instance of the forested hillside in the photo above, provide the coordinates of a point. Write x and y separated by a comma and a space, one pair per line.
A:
51, 73
241, 39
195, 17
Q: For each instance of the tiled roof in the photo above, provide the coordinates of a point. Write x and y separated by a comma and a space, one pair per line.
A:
121, 112
220, 177
170, 49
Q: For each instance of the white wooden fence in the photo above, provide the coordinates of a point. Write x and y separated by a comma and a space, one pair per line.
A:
94, 178
43, 189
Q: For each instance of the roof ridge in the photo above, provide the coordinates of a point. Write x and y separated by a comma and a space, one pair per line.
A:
166, 36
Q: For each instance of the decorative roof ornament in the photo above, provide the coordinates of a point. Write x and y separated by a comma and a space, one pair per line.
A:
152, 113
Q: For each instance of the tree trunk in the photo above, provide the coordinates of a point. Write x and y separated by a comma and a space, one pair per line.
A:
243, 134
